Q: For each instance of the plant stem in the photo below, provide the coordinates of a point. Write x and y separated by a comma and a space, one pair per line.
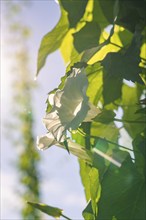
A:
128, 121
66, 217
96, 137
116, 45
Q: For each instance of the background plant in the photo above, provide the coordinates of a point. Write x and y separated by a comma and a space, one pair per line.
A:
22, 125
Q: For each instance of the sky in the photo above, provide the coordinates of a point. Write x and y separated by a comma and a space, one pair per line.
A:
61, 185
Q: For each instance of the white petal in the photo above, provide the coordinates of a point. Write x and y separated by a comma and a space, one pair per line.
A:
73, 100
51, 99
54, 125
57, 98
70, 107
46, 141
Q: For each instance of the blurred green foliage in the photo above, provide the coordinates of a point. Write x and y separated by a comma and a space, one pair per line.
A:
23, 139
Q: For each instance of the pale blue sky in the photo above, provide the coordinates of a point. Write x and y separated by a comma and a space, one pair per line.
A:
61, 185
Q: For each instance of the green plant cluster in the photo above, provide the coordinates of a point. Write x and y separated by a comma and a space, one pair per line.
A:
108, 39
22, 123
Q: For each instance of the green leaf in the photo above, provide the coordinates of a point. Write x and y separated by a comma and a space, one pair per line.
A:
52, 40
95, 188
78, 150
99, 161
112, 86
141, 111
105, 117
108, 9
110, 132
68, 43
129, 66
87, 37
49, 210
94, 74
66, 145
131, 14
118, 66
130, 98
84, 173
105, 153
88, 212
89, 53
75, 10
139, 144
84, 166
125, 37
123, 193
99, 15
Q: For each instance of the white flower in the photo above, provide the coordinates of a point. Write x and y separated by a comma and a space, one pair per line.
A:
70, 107
48, 140
45, 141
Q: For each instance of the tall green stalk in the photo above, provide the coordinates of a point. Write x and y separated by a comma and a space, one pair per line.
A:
28, 157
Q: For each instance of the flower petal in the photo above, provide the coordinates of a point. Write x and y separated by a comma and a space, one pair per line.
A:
70, 107
73, 100
46, 141
54, 126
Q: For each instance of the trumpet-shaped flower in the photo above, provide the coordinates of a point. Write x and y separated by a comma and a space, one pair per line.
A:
47, 141
70, 107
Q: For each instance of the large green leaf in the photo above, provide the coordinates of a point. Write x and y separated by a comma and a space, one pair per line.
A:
94, 91
105, 153
125, 64
131, 14
84, 166
98, 14
112, 86
52, 40
87, 37
84, 173
130, 98
98, 52
109, 132
108, 9
79, 151
89, 53
88, 212
119, 66
139, 144
75, 10
105, 117
123, 193
95, 188
125, 37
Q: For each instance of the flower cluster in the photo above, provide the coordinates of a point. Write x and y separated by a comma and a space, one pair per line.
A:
70, 107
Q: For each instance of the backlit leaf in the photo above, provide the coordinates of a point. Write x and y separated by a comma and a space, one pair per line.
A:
88, 212
95, 188
106, 116
52, 211
75, 10
87, 37
52, 40
112, 86
123, 65
123, 193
